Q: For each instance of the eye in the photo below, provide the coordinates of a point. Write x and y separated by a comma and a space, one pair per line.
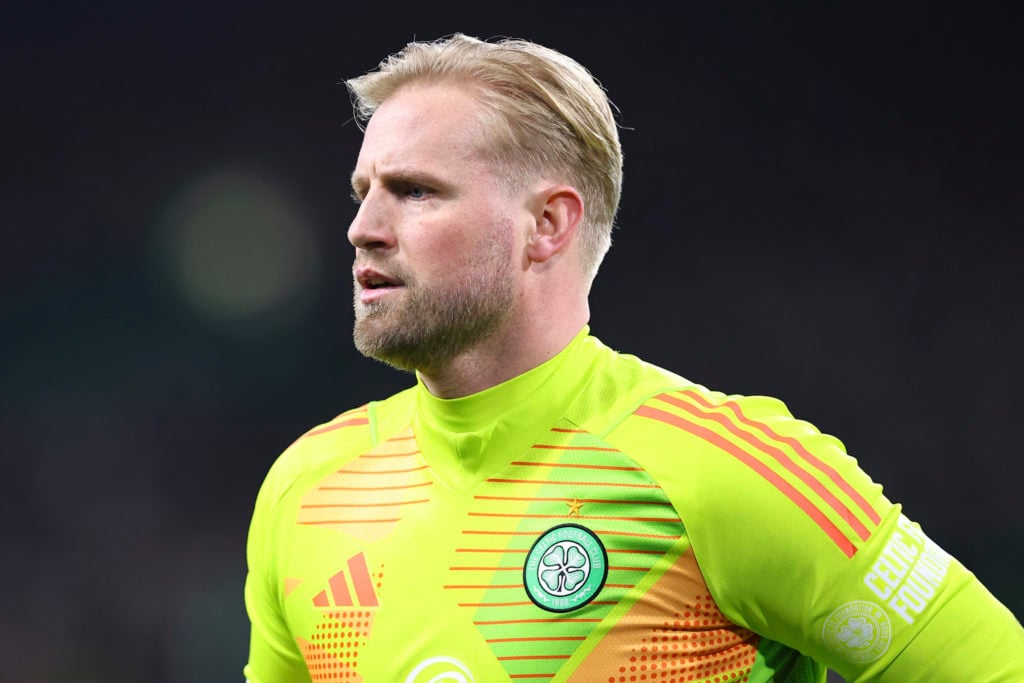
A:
415, 192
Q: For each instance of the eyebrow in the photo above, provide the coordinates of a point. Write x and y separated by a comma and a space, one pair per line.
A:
406, 174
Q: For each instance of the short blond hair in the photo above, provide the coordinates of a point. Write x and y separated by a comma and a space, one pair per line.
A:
544, 112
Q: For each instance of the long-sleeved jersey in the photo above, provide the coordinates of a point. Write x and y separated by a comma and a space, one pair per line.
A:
600, 519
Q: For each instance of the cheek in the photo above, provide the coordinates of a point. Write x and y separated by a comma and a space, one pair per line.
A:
458, 239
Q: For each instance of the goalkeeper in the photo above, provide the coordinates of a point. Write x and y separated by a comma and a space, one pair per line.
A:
539, 507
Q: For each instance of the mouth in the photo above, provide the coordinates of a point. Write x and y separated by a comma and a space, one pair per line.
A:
373, 284
371, 278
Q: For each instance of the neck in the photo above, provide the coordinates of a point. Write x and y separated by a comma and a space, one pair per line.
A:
518, 347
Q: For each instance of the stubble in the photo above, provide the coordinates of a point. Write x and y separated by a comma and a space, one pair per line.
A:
431, 326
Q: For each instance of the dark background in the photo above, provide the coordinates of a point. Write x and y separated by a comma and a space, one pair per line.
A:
820, 205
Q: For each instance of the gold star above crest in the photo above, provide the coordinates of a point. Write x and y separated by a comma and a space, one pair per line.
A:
574, 507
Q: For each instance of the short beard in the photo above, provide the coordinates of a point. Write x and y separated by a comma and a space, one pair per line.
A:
429, 328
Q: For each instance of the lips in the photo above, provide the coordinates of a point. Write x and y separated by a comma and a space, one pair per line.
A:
371, 278
373, 284
376, 282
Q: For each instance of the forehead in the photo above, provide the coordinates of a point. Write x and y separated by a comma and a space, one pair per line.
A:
423, 125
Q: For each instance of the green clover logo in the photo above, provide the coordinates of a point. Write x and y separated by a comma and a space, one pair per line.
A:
565, 568
567, 564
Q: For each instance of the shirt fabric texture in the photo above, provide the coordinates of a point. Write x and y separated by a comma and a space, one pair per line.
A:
599, 519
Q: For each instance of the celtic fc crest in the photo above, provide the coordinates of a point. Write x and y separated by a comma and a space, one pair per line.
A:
565, 569
859, 631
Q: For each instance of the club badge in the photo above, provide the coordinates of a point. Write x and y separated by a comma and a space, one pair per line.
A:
565, 569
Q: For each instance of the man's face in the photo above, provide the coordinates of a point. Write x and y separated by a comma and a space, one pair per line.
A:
436, 235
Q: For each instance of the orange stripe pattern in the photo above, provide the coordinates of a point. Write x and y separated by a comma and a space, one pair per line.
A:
369, 495
782, 461
352, 418
572, 477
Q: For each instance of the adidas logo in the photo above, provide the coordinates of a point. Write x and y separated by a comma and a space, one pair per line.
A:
342, 586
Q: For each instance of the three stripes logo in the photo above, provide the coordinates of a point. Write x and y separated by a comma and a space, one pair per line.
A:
347, 609
782, 460
352, 588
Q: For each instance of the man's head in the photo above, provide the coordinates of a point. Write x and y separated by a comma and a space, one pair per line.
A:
543, 116
436, 235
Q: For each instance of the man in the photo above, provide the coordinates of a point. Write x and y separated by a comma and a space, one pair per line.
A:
538, 506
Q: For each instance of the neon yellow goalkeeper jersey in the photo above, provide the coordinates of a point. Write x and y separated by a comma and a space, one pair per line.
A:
599, 519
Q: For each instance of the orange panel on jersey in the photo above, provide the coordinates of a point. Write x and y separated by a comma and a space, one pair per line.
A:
675, 631
367, 496
290, 584
332, 653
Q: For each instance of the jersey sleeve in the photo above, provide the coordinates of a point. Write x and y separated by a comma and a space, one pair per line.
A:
799, 545
796, 543
274, 656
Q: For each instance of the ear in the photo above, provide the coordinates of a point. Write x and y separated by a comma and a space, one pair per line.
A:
558, 212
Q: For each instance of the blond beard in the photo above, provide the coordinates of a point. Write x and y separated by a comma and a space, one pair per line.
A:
429, 327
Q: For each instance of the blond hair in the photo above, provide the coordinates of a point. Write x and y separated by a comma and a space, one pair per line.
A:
544, 112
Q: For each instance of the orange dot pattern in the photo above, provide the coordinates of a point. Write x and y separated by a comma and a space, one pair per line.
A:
332, 653
697, 645
674, 633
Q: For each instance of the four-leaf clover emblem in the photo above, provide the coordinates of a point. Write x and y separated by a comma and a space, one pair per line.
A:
856, 632
566, 568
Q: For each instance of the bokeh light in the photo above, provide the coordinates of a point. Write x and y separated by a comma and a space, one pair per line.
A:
240, 250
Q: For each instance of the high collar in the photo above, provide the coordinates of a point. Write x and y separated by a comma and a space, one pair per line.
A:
476, 411
469, 438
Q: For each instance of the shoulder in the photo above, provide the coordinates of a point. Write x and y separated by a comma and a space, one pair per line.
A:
739, 465
718, 424
336, 441
766, 499
615, 385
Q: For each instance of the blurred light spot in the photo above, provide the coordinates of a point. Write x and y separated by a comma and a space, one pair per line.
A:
240, 250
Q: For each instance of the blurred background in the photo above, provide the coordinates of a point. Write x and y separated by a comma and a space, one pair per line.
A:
823, 205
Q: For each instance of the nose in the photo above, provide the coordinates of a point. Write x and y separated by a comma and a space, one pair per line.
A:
370, 229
